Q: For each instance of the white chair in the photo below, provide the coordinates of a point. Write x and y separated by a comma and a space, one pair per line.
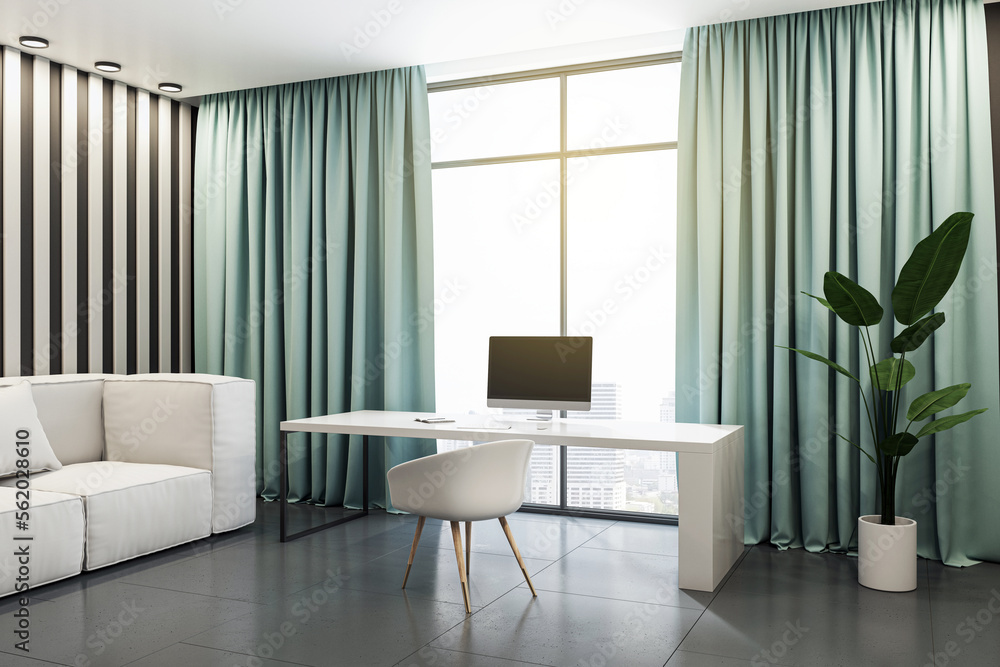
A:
472, 484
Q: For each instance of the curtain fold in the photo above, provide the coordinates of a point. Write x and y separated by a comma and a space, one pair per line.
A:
312, 257
836, 140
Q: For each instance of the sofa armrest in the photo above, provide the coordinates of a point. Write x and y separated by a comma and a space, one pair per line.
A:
194, 420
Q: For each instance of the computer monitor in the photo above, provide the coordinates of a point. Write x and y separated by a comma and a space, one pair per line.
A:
540, 372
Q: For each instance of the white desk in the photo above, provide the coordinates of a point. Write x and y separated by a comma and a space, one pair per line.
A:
710, 470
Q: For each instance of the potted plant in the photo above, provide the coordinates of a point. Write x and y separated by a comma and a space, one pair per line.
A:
887, 544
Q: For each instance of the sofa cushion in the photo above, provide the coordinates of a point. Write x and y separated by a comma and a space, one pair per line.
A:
56, 524
70, 411
23, 443
189, 419
135, 508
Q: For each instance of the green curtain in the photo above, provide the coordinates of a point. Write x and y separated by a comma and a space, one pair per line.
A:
312, 258
835, 140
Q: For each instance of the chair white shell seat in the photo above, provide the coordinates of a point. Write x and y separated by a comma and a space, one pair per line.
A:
471, 484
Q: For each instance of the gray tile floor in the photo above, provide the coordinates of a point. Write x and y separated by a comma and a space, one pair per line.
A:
607, 595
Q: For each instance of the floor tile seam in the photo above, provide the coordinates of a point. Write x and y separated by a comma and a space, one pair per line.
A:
730, 657
732, 571
326, 550
32, 596
204, 595
584, 523
389, 553
630, 551
715, 594
507, 554
579, 546
451, 550
408, 595
229, 650
485, 655
208, 628
47, 662
221, 548
443, 633
523, 586
467, 618
133, 561
369, 591
806, 596
597, 534
477, 607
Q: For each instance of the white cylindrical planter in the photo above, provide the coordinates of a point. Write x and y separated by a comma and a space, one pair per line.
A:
887, 555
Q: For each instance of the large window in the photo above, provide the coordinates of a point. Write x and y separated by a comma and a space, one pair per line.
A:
554, 214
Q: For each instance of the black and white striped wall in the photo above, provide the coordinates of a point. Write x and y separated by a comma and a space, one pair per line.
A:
95, 196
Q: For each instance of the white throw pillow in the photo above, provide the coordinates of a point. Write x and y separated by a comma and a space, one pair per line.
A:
19, 424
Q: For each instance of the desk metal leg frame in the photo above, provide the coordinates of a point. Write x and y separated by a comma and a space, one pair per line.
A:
283, 499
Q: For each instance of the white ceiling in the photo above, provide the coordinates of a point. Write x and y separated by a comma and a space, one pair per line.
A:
218, 45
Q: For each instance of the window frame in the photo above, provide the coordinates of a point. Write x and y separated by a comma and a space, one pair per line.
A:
564, 154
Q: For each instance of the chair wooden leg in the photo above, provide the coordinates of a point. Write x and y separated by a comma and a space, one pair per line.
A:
456, 534
413, 549
517, 554
468, 548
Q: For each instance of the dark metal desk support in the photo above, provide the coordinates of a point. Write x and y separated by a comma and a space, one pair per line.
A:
283, 499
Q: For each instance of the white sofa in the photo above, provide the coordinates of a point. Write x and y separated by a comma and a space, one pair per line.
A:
149, 462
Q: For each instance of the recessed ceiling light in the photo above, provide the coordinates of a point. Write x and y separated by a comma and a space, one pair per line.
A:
171, 87
107, 66
34, 42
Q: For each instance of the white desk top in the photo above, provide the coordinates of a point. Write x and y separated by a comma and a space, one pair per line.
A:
655, 436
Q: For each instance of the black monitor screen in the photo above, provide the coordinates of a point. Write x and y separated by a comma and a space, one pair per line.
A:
540, 371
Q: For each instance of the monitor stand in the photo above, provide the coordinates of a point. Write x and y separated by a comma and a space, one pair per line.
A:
541, 416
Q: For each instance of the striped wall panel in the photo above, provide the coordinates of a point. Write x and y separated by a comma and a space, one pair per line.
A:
95, 247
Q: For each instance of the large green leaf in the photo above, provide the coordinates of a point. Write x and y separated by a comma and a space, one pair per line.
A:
914, 335
945, 423
931, 269
924, 406
820, 299
898, 444
852, 302
885, 374
812, 355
